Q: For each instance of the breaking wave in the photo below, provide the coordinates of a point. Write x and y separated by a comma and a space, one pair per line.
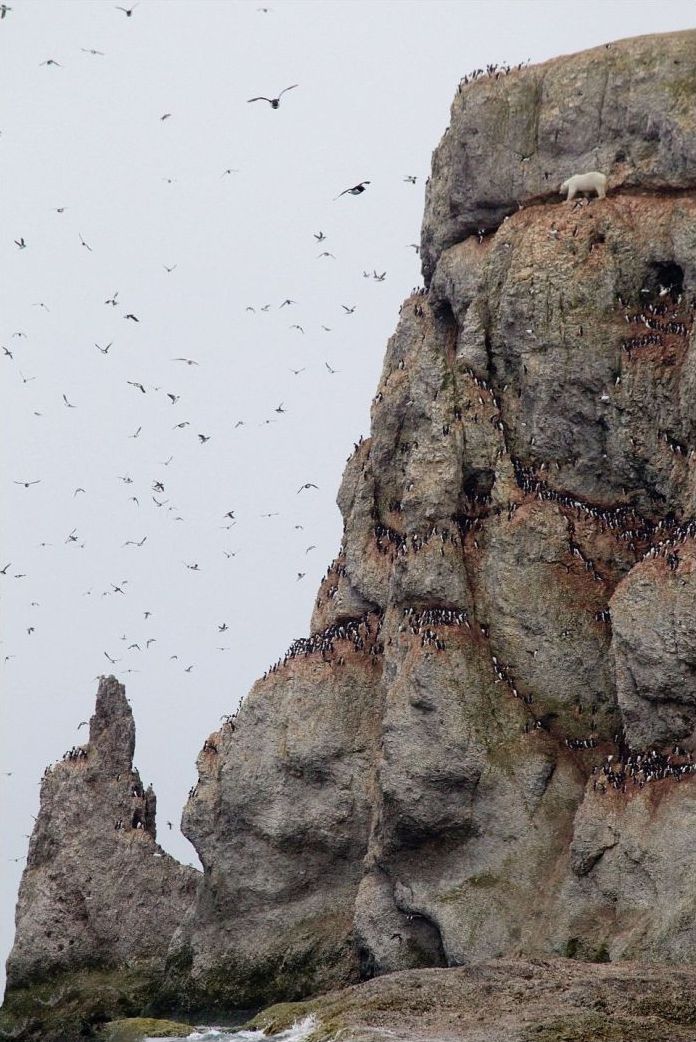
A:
299, 1031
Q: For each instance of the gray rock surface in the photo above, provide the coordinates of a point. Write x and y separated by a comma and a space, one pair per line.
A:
625, 109
530, 469
447, 771
91, 894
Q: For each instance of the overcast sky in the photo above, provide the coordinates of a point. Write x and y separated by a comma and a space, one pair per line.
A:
86, 137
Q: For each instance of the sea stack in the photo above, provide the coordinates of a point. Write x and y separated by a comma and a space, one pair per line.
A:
485, 747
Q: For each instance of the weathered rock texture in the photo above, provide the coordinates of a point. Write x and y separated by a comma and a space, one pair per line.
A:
516, 538
92, 894
448, 771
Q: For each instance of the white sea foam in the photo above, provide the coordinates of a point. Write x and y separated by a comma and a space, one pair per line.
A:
299, 1031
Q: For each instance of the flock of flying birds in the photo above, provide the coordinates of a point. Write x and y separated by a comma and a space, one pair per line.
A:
158, 489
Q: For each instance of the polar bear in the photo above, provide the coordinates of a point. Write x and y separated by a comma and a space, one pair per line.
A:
592, 182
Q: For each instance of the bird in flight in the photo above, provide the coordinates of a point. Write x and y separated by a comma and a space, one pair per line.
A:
26, 484
91, 50
104, 350
203, 438
349, 311
112, 300
136, 433
325, 254
410, 179
68, 403
296, 372
128, 11
134, 383
300, 575
167, 115
330, 369
280, 408
379, 278
21, 243
295, 326
307, 484
320, 237
133, 318
355, 190
189, 361
274, 102
85, 244
4, 9
170, 269
51, 61
132, 542
286, 302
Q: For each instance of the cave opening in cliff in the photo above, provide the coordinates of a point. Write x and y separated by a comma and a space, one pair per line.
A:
661, 276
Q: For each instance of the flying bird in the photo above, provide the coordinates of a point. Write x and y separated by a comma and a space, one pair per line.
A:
51, 61
188, 361
4, 9
307, 484
355, 190
274, 102
85, 244
330, 369
170, 269
167, 115
21, 243
320, 237
112, 300
26, 484
91, 50
133, 318
68, 403
410, 179
349, 311
104, 350
128, 11
203, 438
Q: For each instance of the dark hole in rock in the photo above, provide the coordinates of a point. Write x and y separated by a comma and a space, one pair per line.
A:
478, 484
620, 156
663, 275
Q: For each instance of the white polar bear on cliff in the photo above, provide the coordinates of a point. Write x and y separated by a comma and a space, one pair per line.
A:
592, 182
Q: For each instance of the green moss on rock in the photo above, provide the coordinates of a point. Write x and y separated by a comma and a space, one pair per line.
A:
134, 1029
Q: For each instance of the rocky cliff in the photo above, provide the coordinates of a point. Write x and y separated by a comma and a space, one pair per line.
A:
485, 748
98, 892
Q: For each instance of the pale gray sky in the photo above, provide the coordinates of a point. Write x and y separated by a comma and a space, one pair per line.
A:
375, 84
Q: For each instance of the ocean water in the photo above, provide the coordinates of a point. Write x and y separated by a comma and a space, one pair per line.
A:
299, 1031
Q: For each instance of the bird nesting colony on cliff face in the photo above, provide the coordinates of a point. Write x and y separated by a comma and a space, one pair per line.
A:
515, 770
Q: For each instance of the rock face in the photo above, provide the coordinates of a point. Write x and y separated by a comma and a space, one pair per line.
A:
486, 746
625, 109
448, 770
93, 894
